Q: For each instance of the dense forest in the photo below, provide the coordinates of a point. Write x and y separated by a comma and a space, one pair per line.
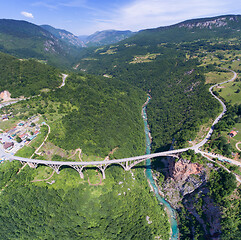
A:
106, 114
26, 77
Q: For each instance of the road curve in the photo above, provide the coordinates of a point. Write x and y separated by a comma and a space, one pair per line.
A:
220, 115
5, 155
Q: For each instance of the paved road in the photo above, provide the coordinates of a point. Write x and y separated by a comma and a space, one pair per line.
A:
207, 155
238, 146
4, 104
221, 158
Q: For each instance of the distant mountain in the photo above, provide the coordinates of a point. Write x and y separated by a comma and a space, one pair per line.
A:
228, 26
105, 37
26, 40
64, 35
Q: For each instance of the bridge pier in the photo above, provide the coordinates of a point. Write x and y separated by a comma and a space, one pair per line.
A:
55, 167
125, 166
102, 168
79, 169
103, 173
32, 164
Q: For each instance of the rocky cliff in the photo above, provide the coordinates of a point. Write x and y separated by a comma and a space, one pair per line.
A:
183, 178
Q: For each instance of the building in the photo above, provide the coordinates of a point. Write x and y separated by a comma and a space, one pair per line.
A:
233, 133
8, 145
5, 118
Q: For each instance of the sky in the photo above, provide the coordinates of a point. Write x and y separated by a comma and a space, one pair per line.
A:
84, 17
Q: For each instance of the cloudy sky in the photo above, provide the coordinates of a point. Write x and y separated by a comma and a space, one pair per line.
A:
87, 16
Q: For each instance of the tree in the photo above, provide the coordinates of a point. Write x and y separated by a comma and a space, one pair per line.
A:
18, 139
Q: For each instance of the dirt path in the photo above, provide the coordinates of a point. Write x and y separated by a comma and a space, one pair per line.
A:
41, 180
110, 153
237, 146
77, 150
20, 169
36, 151
97, 184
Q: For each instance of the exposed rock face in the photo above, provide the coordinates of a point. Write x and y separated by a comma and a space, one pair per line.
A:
182, 169
184, 178
5, 95
64, 35
219, 22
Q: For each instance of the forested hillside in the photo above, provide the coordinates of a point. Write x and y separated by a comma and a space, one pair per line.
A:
26, 77
106, 114
106, 37
97, 114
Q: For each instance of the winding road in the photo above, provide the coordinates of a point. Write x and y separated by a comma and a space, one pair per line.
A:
197, 146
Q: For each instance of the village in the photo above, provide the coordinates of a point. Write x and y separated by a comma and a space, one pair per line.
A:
20, 135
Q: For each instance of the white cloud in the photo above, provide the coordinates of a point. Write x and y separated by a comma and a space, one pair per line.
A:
75, 3
27, 14
141, 14
43, 4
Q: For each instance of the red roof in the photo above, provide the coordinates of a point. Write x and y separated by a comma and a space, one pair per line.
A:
234, 133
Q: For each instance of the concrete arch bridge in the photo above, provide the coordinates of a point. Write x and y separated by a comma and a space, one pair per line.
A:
126, 163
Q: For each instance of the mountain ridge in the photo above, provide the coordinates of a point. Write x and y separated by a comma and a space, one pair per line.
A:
64, 35
23, 39
224, 26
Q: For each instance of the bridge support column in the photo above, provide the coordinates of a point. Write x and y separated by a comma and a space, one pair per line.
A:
79, 169
81, 175
134, 163
32, 164
125, 166
55, 167
103, 173
102, 169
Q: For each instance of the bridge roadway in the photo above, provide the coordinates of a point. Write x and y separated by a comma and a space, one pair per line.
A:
126, 163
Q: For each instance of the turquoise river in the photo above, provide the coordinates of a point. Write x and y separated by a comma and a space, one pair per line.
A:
170, 211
